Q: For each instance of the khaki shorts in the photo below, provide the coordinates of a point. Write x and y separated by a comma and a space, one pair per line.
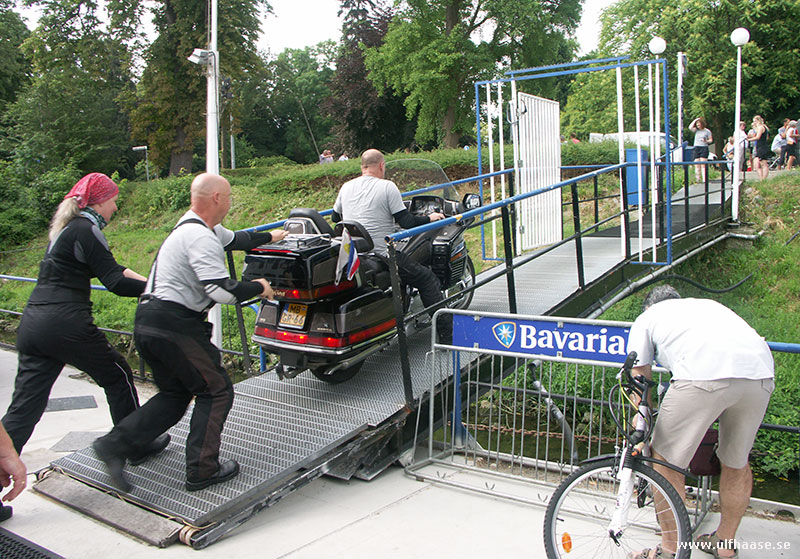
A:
690, 407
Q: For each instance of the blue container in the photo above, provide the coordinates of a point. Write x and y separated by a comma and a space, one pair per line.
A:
688, 152
633, 179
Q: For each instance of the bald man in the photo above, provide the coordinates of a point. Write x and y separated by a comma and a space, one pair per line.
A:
376, 203
171, 333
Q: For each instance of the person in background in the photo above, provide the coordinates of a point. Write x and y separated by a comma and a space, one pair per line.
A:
574, 138
780, 138
12, 472
171, 333
702, 139
728, 150
792, 137
741, 136
326, 157
343, 157
762, 147
722, 370
57, 326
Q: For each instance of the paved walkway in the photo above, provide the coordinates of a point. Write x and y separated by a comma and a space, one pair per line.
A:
391, 516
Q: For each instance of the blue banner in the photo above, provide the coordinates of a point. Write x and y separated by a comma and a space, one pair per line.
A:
556, 338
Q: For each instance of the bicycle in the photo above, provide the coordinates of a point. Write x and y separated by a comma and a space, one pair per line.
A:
607, 508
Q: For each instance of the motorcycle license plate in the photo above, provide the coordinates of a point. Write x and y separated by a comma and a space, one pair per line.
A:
294, 315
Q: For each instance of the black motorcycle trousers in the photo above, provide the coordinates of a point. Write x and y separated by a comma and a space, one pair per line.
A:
175, 342
427, 284
49, 337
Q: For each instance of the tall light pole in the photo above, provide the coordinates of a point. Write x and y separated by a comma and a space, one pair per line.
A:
210, 58
146, 160
739, 38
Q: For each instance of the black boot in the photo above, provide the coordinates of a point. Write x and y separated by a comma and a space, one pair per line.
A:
227, 470
114, 462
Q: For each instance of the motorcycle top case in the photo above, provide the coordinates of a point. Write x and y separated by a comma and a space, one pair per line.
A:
302, 264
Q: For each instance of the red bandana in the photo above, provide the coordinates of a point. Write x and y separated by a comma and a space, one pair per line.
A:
94, 188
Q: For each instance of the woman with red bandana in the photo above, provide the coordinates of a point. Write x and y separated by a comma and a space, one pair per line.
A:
57, 326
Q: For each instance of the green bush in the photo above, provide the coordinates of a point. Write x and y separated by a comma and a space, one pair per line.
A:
590, 153
270, 161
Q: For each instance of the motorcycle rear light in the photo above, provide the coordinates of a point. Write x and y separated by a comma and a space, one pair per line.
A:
324, 341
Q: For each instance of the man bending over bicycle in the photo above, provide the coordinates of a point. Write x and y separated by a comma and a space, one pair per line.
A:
721, 370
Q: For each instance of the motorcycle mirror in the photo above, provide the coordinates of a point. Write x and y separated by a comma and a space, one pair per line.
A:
471, 201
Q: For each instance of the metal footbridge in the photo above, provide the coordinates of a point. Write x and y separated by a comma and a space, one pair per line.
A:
287, 433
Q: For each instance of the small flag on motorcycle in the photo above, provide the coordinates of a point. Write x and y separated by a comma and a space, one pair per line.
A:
348, 258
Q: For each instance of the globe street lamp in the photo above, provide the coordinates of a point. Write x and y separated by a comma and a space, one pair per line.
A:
739, 38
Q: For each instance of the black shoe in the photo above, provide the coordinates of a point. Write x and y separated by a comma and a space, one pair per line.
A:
155, 447
227, 470
5, 512
115, 464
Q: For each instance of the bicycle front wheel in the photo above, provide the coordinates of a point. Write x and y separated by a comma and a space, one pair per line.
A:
580, 511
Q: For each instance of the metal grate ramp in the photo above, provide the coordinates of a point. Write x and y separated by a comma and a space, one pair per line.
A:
274, 430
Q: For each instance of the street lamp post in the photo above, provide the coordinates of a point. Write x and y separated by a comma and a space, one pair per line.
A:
739, 38
146, 160
210, 58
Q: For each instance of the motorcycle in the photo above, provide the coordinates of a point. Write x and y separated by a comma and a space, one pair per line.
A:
331, 327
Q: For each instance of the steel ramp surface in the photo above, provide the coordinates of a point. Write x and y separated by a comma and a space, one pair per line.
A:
274, 430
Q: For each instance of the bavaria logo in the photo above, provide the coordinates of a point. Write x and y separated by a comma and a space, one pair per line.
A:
505, 333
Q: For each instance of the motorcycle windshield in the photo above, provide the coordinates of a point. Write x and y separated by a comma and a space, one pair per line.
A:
414, 174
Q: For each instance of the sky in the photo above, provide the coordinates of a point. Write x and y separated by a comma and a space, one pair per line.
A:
293, 26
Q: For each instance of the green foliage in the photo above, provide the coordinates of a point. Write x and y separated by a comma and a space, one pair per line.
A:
15, 70
431, 58
701, 30
69, 113
271, 161
590, 153
363, 117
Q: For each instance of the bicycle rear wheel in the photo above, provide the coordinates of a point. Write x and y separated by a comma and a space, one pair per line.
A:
578, 514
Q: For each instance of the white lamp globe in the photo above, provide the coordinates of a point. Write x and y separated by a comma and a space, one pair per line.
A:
740, 36
657, 45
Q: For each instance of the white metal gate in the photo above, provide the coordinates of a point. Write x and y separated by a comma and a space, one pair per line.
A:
537, 164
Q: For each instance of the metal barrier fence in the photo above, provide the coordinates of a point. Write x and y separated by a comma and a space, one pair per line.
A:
523, 422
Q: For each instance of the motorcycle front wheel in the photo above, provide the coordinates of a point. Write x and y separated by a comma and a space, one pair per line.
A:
466, 281
338, 376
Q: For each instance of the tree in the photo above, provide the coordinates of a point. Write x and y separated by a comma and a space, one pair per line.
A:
435, 50
15, 70
702, 30
362, 117
286, 117
69, 112
170, 102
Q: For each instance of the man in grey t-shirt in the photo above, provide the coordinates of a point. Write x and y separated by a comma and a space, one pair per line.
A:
376, 204
171, 333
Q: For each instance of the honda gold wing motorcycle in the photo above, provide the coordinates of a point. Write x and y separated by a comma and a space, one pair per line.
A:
329, 325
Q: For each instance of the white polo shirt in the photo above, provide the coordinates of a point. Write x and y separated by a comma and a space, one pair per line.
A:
700, 339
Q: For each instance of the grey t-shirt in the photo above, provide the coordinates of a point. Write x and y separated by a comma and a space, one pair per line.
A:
192, 253
700, 137
372, 202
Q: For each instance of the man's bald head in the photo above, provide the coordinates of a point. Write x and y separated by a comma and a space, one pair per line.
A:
372, 163
211, 197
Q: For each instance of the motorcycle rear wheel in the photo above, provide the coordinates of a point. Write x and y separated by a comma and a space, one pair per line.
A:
337, 377
466, 281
